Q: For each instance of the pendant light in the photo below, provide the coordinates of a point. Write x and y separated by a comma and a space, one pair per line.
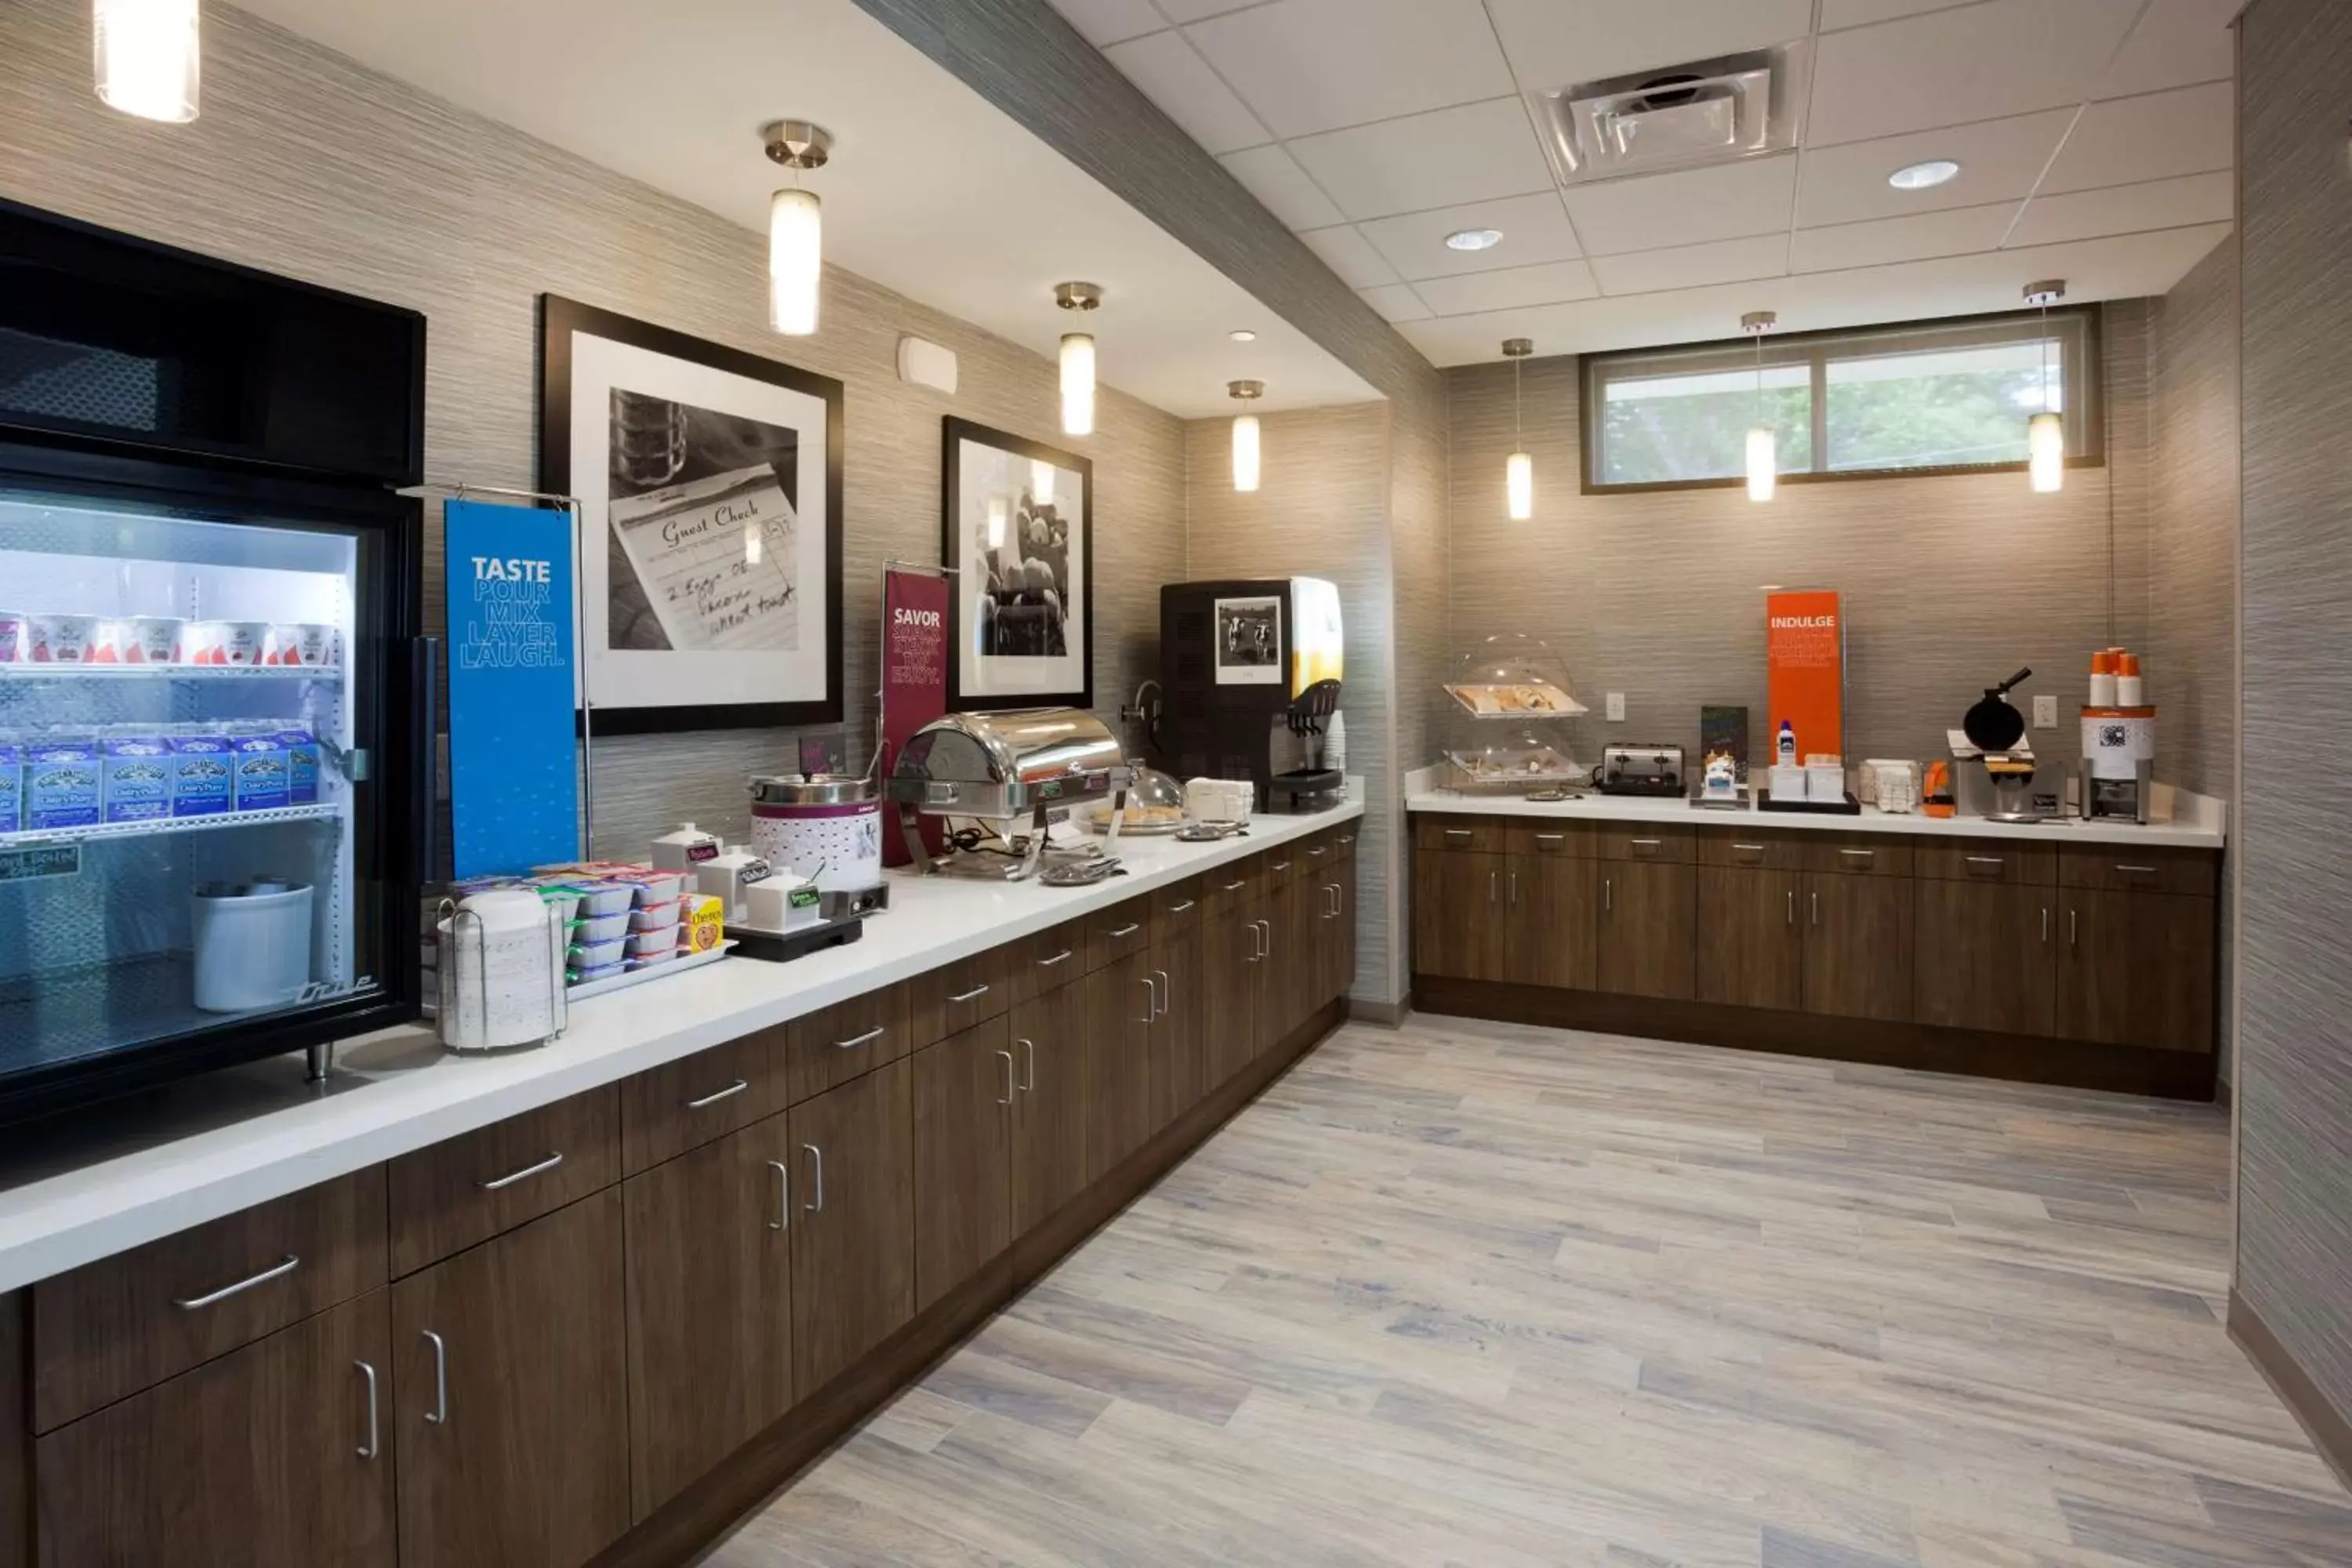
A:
795, 227
1246, 435
1000, 513
149, 58
1518, 470
1078, 359
1763, 441
1041, 482
2045, 433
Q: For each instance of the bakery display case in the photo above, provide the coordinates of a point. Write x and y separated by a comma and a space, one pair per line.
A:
1507, 728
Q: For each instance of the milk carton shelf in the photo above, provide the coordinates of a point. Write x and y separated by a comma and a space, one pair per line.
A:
327, 811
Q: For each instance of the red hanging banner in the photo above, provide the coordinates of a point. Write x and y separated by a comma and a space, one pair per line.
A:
914, 682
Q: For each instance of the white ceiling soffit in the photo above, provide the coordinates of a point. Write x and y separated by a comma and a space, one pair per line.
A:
2095, 140
931, 192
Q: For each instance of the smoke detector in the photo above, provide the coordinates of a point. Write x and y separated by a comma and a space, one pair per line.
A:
1708, 111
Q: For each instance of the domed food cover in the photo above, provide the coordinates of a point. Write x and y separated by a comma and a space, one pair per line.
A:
1513, 676
1155, 803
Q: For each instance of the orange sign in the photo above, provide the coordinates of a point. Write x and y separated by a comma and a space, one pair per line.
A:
1804, 641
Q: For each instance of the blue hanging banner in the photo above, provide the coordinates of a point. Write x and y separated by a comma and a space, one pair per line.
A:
514, 780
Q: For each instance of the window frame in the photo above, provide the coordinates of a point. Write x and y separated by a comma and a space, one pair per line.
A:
2083, 367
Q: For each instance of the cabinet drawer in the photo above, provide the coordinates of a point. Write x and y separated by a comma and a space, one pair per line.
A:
1575, 839
1858, 854
698, 1099
955, 997
1048, 960
2124, 868
445, 1198
844, 1041
130, 1321
1177, 910
1470, 833
1231, 886
1987, 860
1318, 858
1758, 851
1677, 846
1117, 932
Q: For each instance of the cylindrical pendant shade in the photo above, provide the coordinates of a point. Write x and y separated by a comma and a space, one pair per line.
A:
795, 260
1520, 482
1763, 463
1077, 383
1040, 482
1245, 451
149, 58
2045, 444
1000, 513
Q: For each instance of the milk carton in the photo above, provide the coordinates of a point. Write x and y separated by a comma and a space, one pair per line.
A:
202, 783
301, 766
258, 761
136, 773
11, 787
61, 784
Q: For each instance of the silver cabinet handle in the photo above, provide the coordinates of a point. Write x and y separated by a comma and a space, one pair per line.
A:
816, 1156
1029, 1067
1320, 850
1007, 1097
1346, 839
1494, 887
974, 995
1279, 866
1859, 854
2136, 870
2070, 927
1058, 958
1164, 992
730, 1092
1236, 887
374, 1445
2045, 922
1514, 878
440, 1414
1816, 898
1179, 909
501, 1184
1150, 999
1255, 953
1267, 927
278, 1270
1608, 892
1995, 861
1646, 848
867, 1038
784, 1195
1461, 833
1126, 930
1551, 837
1792, 906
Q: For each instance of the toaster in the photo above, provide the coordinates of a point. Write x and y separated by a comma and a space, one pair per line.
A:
1641, 770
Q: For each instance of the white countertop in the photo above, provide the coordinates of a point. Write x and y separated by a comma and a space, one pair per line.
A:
73, 1195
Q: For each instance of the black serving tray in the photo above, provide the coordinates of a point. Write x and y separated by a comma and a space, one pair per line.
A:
1849, 807
781, 947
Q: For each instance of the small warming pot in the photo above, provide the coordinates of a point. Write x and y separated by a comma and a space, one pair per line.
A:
826, 827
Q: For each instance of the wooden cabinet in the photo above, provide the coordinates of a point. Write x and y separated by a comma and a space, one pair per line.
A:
1552, 919
1750, 947
853, 1225
846, 1040
1231, 952
2135, 969
1645, 946
1858, 945
709, 1306
275, 1455
956, 996
1286, 974
696, 1099
1458, 931
963, 1093
1180, 1069
1982, 955
1122, 1013
469, 1189
509, 1397
1049, 1104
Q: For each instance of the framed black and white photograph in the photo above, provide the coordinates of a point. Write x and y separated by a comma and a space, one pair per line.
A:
709, 486
1017, 529
1249, 642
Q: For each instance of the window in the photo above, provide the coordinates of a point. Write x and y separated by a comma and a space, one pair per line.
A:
1929, 399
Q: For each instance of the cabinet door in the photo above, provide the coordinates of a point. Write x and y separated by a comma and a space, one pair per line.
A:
710, 1306
1982, 957
1345, 869
275, 1455
1049, 1105
1231, 956
963, 1156
1180, 1057
509, 1397
1751, 950
2136, 969
1457, 933
1123, 1014
1553, 911
854, 1223
1285, 977
1645, 946
1858, 946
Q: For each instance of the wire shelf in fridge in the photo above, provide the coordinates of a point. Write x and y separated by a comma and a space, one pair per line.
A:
156, 827
160, 674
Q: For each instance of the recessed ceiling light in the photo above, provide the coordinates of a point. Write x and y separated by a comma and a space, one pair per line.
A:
1242, 335
1921, 176
1473, 239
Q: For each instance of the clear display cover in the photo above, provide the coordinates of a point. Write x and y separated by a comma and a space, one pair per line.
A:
1512, 676
1508, 691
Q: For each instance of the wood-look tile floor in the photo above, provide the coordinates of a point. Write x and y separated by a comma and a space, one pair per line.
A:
1476, 1294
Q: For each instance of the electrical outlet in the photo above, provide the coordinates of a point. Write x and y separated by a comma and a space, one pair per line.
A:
2046, 712
1616, 708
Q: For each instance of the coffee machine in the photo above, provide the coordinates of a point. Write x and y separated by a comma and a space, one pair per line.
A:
1250, 673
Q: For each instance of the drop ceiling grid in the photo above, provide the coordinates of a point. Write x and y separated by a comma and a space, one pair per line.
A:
1355, 95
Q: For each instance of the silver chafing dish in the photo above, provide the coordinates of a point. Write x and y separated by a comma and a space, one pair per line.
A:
1024, 764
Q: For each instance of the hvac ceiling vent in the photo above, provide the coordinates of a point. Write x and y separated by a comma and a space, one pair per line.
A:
1710, 111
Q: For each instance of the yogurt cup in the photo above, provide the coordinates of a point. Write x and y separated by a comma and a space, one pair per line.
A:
137, 639
59, 639
660, 943
305, 644
12, 636
226, 642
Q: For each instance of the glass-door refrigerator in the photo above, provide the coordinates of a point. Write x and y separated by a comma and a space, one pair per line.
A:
217, 709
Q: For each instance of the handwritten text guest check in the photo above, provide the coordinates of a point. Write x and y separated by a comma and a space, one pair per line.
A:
717, 558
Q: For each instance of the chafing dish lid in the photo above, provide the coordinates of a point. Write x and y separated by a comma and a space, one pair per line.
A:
1019, 746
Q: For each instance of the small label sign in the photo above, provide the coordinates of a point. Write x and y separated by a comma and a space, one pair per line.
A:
40, 860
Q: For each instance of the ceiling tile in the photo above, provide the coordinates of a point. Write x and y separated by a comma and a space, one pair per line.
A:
2000, 160
2128, 209
2177, 44
1553, 43
1961, 231
1275, 178
1837, 13
1317, 65
1474, 152
1687, 208
1351, 255
2187, 132
1102, 22
1396, 301
1181, 83
1513, 287
1694, 266
1976, 62
1535, 228
1196, 10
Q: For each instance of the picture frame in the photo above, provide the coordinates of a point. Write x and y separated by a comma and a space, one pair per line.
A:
709, 484
1021, 618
